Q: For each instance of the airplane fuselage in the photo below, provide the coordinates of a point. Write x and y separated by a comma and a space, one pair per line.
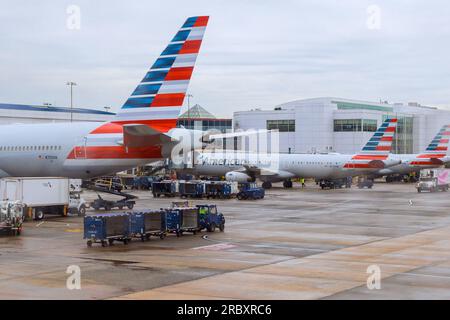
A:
77, 149
319, 166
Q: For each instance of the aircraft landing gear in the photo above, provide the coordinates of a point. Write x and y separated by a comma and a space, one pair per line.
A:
267, 185
287, 184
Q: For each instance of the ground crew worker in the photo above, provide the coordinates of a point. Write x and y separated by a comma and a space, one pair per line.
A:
302, 180
203, 211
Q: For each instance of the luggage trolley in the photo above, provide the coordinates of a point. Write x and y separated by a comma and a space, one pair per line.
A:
148, 223
106, 228
167, 188
191, 189
173, 221
190, 220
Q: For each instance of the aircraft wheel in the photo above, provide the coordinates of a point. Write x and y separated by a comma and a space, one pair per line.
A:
287, 184
267, 185
211, 227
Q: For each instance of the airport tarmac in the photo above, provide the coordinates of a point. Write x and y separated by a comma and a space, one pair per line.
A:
294, 244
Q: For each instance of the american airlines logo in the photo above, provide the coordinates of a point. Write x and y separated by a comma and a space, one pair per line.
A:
232, 162
254, 147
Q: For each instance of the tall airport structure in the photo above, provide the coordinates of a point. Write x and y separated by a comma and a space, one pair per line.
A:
341, 125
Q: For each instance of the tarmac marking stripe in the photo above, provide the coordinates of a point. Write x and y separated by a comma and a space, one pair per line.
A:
216, 247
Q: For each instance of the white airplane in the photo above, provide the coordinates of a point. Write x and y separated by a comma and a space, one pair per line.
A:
434, 156
142, 132
269, 168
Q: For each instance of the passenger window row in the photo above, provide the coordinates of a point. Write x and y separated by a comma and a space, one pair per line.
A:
30, 148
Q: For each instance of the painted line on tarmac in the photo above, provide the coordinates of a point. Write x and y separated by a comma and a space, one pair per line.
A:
237, 244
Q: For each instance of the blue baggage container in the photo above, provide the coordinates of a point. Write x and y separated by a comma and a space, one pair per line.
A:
167, 188
220, 189
190, 219
182, 219
192, 189
107, 228
173, 221
143, 182
148, 223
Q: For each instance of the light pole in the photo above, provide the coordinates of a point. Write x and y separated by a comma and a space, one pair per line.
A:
71, 84
189, 108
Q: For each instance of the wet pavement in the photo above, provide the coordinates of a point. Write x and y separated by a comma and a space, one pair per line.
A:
294, 244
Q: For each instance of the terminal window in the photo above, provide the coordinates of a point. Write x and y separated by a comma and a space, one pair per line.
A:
369, 125
281, 125
345, 125
349, 125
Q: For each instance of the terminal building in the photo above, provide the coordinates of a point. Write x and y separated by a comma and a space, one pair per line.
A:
21, 113
305, 126
342, 125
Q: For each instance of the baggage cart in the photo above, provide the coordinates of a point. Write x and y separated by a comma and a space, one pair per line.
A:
107, 228
173, 221
221, 189
190, 220
191, 189
167, 188
144, 224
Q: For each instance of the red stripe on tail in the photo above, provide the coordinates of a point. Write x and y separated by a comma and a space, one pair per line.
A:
190, 46
181, 73
201, 21
168, 100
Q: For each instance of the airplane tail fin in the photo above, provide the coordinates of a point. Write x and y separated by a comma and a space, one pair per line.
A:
439, 145
436, 151
158, 98
376, 151
380, 144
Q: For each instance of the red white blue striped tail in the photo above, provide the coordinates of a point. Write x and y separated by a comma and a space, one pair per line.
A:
436, 150
439, 145
376, 149
381, 142
158, 98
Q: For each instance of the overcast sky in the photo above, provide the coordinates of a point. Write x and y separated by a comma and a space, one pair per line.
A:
255, 53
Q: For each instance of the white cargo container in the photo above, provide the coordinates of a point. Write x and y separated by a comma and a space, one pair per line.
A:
39, 195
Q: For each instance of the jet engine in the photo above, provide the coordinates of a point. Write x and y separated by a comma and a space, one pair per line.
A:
238, 176
181, 142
